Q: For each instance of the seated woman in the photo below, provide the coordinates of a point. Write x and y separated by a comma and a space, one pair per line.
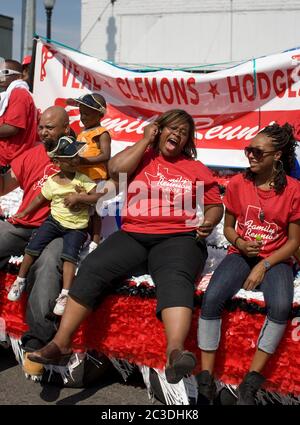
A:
262, 222
159, 224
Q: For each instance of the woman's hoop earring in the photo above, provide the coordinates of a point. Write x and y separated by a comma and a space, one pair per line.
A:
277, 166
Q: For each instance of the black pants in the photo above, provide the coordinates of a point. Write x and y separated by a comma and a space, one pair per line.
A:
174, 261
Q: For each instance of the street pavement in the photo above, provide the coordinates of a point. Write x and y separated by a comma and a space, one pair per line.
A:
15, 389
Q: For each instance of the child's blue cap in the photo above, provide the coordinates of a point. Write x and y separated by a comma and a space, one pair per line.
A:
67, 147
93, 100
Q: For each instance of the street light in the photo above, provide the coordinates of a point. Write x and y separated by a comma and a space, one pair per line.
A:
49, 4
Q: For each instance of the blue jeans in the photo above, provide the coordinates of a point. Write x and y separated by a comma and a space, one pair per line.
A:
228, 278
52, 229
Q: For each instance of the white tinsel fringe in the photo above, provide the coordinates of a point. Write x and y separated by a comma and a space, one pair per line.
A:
174, 394
17, 349
145, 371
9, 203
19, 355
123, 367
186, 391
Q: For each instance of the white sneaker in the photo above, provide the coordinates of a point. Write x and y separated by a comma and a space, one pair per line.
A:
16, 289
60, 305
93, 245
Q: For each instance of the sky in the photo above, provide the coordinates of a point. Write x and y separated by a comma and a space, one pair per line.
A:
65, 24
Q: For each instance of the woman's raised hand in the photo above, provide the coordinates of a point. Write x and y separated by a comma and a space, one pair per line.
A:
150, 131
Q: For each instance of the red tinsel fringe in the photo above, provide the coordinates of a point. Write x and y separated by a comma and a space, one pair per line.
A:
127, 328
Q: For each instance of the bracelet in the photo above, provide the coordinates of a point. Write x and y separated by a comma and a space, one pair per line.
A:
236, 239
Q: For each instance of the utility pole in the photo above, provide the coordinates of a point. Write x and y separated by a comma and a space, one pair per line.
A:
28, 26
49, 5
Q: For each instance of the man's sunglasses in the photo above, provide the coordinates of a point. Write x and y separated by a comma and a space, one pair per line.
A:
6, 72
256, 152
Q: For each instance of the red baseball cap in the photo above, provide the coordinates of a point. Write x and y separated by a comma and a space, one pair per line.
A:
26, 60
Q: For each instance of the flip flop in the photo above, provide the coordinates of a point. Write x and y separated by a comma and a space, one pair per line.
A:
181, 363
50, 354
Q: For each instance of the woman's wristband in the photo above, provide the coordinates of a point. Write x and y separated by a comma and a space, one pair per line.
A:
236, 239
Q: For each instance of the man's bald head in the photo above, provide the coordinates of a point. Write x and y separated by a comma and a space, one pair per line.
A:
54, 123
57, 113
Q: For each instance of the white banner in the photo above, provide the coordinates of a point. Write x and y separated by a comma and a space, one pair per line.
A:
229, 106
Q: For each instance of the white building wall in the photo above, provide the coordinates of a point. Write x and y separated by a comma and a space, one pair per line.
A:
188, 32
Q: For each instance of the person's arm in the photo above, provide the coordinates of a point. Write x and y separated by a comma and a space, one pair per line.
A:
81, 197
248, 248
212, 216
89, 198
128, 160
257, 274
297, 255
103, 142
7, 130
38, 201
8, 182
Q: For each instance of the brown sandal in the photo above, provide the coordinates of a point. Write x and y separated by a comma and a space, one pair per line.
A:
181, 363
50, 354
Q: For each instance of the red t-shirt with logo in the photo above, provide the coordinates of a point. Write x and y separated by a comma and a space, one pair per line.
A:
245, 202
32, 169
22, 113
163, 194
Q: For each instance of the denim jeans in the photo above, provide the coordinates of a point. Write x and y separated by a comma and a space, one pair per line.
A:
228, 278
52, 229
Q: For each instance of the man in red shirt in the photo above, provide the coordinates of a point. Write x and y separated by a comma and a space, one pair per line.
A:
18, 114
29, 171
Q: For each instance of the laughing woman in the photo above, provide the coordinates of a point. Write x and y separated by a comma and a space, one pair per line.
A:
262, 222
158, 225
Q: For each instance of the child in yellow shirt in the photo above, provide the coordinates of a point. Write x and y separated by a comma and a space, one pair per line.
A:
93, 161
64, 190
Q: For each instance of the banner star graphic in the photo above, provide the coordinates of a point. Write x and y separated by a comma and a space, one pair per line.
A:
107, 83
213, 89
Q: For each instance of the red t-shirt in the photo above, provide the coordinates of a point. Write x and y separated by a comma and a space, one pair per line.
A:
22, 113
162, 196
245, 202
32, 169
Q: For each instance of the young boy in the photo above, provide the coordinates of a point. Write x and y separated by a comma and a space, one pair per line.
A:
93, 161
70, 194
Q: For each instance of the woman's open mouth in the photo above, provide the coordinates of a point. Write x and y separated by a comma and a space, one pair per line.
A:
171, 144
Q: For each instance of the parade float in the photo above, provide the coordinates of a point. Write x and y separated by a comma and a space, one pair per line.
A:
229, 107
